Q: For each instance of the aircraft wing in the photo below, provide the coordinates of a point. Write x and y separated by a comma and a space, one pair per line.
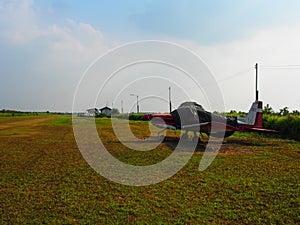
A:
187, 127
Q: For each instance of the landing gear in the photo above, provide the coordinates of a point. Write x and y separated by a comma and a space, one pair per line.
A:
161, 131
190, 136
185, 136
161, 137
194, 138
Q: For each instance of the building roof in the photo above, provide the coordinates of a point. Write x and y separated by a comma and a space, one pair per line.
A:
105, 108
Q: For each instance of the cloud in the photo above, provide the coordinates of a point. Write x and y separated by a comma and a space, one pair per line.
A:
20, 25
76, 42
43, 61
233, 66
17, 19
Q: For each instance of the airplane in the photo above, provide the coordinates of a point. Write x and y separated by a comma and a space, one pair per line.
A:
196, 119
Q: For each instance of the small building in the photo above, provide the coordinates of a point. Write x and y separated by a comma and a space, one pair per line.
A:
92, 112
106, 111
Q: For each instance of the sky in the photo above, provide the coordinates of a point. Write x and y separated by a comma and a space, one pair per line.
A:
46, 47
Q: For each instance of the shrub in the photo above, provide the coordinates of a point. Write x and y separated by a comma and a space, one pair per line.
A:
288, 126
136, 116
132, 116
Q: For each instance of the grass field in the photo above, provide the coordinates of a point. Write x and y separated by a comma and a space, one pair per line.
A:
44, 179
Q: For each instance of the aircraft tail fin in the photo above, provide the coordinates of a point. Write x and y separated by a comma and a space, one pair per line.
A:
254, 116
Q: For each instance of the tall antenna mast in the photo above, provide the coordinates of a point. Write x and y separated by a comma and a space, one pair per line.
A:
170, 104
256, 80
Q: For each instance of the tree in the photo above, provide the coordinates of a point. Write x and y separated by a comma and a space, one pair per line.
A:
268, 109
284, 111
115, 111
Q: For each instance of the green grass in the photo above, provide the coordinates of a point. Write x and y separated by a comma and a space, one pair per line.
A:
44, 179
24, 114
60, 120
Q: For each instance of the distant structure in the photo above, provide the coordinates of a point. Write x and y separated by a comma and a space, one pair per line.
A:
106, 111
92, 112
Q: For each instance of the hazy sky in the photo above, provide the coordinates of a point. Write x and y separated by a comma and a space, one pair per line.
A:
46, 46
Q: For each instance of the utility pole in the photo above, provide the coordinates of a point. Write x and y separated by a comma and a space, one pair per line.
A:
256, 81
137, 102
122, 106
170, 103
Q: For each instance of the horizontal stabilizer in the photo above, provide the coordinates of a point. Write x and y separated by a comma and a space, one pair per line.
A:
256, 129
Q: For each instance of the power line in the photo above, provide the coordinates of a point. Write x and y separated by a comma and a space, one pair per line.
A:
240, 73
243, 72
281, 67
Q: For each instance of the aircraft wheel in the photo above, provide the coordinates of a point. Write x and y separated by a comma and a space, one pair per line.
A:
195, 138
161, 138
185, 136
228, 133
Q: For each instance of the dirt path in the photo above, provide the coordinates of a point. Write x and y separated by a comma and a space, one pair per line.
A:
21, 127
21, 122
